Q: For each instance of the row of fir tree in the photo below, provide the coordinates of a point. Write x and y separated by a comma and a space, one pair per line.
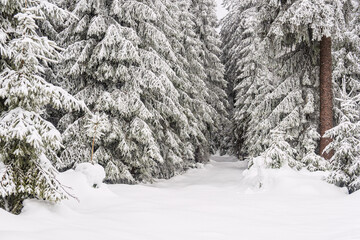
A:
293, 68
141, 79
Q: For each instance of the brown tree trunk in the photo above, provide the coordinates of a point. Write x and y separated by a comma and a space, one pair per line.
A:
326, 95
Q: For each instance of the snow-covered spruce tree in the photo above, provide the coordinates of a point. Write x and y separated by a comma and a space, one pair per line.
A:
194, 91
246, 69
129, 60
285, 37
249, 70
185, 61
280, 153
346, 50
345, 163
299, 31
28, 143
204, 12
107, 66
229, 39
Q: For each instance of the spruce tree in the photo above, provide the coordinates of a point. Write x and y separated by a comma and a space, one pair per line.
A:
279, 91
205, 28
346, 74
345, 163
28, 143
138, 63
346, 52
280, 153
246, 70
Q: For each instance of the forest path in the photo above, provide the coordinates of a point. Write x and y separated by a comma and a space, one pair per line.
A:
222, 171
216, 202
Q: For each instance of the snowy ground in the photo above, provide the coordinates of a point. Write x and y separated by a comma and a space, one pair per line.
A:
214, 202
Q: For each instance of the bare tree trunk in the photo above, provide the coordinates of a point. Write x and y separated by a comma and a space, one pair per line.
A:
92, 146
326, 94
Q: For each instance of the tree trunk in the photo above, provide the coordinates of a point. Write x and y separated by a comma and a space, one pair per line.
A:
326, 95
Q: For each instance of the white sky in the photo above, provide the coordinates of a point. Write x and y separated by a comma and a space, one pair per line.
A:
221, 12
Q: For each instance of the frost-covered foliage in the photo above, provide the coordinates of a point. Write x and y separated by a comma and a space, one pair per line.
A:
279, 152
205, 27
140, 64
346, 49
345, 163
246, 72
271, 54
27, 141
311, 160
96, 126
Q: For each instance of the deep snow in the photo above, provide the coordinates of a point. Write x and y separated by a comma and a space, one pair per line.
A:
213, 202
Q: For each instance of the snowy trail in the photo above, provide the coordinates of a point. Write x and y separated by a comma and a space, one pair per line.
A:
214, 202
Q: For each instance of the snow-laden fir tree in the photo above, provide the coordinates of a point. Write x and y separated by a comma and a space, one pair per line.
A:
194, 93
28, 143
345, 163
249, 71
345, 166
112, 73
280, 153
246, 69
205, 28
138, 63
346, 50
299, 40
275, 72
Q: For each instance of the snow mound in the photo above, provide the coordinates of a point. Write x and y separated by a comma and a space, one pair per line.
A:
286, 180
94, 173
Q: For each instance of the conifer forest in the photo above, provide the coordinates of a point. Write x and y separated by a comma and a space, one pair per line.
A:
180, 119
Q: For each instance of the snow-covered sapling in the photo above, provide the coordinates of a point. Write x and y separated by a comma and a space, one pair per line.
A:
96, 126
280, 153
345, 163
